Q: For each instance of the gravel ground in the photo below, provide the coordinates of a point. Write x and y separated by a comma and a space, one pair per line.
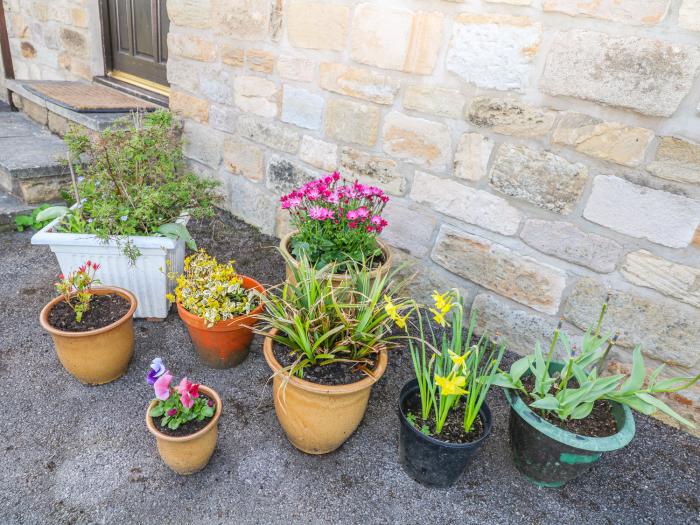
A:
76, 454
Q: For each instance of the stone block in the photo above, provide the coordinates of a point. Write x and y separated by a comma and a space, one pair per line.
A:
472, 156
256, 95
73, 42
317, 25
260, 60
689, 15
190, 13
253, 203
202, 144
467, 204
646, 75
192, 47
188, 106
223, 118
635, 12
435, 100
396, 38
302, 107
352, 121
538, 177
611, 141
509, 116
408, 229
242, 19
494, 51
666, 330
500, 269
371, 169
242, 158
271, 134
679, 281
319, 153
677, 160
283, 176
641, 212
416, 140
296, 68
566, 241
359, 83
231, 55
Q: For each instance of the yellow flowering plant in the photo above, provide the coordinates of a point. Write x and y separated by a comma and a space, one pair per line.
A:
451, 370
211, 290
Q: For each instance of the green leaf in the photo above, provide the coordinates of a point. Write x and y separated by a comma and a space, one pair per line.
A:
546, 403
51, 213
518, 368
156, 411
582, 410
174, 230
636, 378
655, 402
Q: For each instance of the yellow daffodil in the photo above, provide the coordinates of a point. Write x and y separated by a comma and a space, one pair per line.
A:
451, 386
458, 360
439, 317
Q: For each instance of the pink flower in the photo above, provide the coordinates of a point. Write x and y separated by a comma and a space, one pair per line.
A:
319, 213
352, 225
172, 412
336, 175
162, 386
362, 212
352, 215
333, 198
313, 194
186, 400
185, 388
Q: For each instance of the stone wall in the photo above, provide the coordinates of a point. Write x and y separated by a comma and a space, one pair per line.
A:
54, 39
540, 153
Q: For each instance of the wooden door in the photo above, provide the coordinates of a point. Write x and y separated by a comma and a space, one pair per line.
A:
137, 38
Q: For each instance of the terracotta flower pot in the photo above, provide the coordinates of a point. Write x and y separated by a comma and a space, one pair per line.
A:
319, 418
226, 343
98, 356
338, 278
188, 454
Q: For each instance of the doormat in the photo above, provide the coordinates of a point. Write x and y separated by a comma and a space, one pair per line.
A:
87, 98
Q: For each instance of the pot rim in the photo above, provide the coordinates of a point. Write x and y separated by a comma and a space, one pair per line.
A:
484, 412
194, 320
621, 438
317, 388
98, 290
388, 256
210, 392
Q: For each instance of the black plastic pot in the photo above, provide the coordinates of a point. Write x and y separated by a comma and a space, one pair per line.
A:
549, 456
429, 461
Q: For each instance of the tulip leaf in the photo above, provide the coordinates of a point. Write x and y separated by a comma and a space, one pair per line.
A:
174, 230
51, 213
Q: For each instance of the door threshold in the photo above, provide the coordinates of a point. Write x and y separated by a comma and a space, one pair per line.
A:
136, 91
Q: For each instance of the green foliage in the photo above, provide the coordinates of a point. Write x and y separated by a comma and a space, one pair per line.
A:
134, 182
322, 322
572, 391
173, 414
35, 220
456, 370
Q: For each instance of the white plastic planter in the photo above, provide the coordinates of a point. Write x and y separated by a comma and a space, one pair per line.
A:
146, 277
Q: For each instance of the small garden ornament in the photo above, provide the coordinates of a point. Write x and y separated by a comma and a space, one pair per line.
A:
218, 306
336, 224
566, 413
183, 418
92, 328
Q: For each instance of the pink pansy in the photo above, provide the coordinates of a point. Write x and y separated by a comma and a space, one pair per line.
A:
186, 397
162, 386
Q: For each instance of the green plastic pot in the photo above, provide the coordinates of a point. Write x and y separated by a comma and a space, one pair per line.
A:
549, 456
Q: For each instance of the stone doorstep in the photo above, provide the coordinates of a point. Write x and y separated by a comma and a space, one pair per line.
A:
92, 121
10, 207
30, 165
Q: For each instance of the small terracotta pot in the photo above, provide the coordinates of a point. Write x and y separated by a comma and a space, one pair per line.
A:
188, 454
226, 343
338, 278
98, 356
319, 418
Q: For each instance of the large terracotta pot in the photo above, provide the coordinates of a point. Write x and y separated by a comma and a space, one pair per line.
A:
338, 278
319, 418
226, 343
98, 356
188, 454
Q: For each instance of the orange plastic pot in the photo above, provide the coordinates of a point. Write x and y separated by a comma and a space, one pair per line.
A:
225, 344
188, 454
98, 356
319, 418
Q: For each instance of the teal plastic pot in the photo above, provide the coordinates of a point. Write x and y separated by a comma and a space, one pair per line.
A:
549, 456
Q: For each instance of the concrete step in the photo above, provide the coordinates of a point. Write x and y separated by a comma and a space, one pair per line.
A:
10, 207
31, 166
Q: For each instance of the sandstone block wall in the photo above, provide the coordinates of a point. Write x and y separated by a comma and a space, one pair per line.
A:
540, 153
